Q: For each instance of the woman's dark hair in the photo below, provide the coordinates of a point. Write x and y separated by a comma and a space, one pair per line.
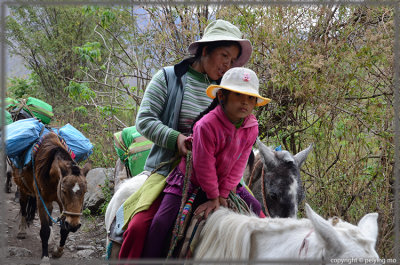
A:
212, 106
210, 46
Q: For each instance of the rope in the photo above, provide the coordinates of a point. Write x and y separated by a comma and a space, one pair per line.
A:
177, 228
40, 196
262, 186
237, 204
253, 172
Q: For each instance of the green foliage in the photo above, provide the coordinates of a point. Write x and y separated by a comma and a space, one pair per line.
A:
82, 110
23, 87
90, 52
107, 192
86, 212
79, 91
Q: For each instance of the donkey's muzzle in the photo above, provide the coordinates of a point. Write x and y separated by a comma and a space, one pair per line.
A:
71, 228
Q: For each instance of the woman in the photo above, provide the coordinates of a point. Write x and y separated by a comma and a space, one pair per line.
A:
173, 99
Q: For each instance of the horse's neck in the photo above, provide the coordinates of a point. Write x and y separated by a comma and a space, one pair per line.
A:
287, 242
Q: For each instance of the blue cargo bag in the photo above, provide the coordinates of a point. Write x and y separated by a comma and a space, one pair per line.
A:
20, 135
76, 141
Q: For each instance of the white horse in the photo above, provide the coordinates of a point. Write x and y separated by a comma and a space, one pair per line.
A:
231, 236
123, 190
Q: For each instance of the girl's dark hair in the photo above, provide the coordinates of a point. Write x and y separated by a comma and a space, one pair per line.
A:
212, 106
210, 46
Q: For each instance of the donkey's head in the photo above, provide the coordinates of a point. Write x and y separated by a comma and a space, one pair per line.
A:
71, 190
282, 184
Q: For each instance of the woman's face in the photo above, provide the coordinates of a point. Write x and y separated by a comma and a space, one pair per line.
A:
220, 60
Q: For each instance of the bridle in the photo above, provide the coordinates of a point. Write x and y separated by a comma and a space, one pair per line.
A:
262, 186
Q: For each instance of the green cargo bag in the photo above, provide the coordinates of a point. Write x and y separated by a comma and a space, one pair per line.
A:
11, 103
8, 118
39, 109
132, 148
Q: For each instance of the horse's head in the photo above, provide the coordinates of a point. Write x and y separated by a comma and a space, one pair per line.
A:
345, 241
282, 183
71, 191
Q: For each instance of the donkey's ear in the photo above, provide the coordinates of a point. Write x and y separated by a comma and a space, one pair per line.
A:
369, 226
59, 167
300, 157
326, 232
266, 154
87, 167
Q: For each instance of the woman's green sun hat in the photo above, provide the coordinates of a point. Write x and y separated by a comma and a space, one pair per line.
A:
241, 80
221, 30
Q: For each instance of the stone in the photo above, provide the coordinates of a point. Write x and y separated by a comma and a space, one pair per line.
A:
94, 196
84, 253
19, 252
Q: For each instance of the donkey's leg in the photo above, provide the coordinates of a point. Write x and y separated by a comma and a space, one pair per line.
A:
23, 202
44, 231
8, 179
57, 253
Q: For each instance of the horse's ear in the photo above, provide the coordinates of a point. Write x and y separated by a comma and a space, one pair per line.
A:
266, 154
369, 226
325, 230
300, 157
87, 167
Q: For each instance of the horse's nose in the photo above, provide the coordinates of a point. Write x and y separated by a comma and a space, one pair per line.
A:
72, 228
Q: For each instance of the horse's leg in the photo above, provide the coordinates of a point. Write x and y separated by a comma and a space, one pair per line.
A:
23, 202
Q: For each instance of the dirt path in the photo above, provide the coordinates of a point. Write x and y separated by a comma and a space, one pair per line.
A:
87, 243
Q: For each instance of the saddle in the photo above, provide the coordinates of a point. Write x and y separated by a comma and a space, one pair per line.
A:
185, 239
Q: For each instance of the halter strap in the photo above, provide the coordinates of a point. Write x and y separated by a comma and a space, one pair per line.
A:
304, 244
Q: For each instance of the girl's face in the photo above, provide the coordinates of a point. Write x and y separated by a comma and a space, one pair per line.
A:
237, 106
220, 60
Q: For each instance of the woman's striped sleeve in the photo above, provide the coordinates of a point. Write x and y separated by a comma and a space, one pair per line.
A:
153, 104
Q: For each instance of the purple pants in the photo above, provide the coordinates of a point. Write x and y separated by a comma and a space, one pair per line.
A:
157, 242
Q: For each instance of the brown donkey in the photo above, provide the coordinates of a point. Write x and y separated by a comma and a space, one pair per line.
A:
55, 177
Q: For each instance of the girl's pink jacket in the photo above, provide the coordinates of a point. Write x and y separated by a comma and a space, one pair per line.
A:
220, 152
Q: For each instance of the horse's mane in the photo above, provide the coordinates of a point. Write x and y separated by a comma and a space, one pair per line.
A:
237, 229
46, 154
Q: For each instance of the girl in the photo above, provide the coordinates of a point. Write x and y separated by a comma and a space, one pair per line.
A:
222, 142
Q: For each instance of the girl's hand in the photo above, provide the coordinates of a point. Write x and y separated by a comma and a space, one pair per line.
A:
207, 207
223, 202
180, 142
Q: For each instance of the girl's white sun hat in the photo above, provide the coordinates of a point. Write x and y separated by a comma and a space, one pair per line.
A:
241, 80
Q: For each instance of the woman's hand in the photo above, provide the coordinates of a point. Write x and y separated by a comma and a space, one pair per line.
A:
207, 207
184, 144
180, 142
